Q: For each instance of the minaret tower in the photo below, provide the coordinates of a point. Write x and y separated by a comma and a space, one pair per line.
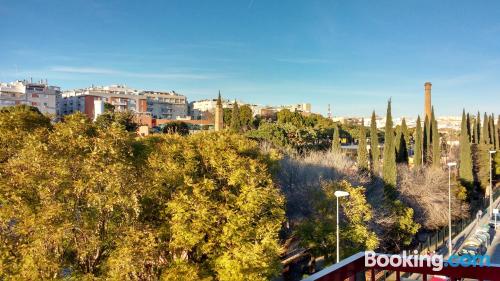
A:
428, 104
219, 118
329, 112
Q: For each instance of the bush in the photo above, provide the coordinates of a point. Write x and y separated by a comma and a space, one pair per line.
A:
425, 190
176, 127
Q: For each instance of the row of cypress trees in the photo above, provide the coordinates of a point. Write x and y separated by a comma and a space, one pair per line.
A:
427, 146
475, 143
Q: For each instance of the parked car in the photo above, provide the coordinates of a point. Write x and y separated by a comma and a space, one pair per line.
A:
469, 250
492, 220
474, 241
483, 236
439, 278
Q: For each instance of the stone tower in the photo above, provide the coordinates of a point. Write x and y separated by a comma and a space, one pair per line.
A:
219, 118
428, 104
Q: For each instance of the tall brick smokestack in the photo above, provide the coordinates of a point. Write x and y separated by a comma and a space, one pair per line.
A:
428, 104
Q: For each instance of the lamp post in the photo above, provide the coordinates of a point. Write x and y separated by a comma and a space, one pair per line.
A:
451, 164
338, 194
491, 183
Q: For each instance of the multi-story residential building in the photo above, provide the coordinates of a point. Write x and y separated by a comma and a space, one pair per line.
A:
166, 105
198, 108
160, 105
40, 95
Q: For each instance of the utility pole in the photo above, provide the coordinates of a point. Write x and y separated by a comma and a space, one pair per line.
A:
450, 246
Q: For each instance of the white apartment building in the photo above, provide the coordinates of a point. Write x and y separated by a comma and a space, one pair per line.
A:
39, 94
157, 104
208, 105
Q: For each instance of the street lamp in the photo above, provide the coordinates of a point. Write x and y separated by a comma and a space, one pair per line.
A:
451, 164
491, 183
338, 194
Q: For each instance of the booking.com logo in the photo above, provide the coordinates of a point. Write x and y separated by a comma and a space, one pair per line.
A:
437, 262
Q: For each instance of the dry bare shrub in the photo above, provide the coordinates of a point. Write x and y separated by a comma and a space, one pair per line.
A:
301, 176
426, 191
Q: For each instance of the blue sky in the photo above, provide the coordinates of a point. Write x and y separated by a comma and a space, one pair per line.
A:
353, 55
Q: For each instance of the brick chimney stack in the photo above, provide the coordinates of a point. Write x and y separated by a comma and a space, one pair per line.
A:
428, 104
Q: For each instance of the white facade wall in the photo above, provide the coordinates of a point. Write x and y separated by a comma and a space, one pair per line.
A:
40, 95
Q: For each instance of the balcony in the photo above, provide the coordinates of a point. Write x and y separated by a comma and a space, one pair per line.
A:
354, 268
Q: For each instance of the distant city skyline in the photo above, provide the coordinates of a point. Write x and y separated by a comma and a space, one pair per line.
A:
353, 55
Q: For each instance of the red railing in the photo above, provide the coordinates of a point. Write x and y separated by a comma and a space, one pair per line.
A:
354, 268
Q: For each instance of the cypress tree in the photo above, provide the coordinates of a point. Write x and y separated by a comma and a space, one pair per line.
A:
468, 127
493, 135
476, 133
417, 158
389, 172
430, 154
497, 134
486, 130
362, 152
235, 118
402, 148
374, 150
483, 163
478, 128
426, 140
404, 130
336, 139
465, 168
436, 145
397, 139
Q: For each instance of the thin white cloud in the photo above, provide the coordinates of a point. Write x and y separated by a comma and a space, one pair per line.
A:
83, 70
108, 71
304, 60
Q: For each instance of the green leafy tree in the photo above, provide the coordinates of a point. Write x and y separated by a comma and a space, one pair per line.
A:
374, 150
176, 127
93, 202
123, 118
16, 123
362, 151
75, 197
288, 137
403, 228
246, 117
109, 107
417, 158
227, 116
318, 232
389, 161
223, 211
235, 118
465, 168
295, 118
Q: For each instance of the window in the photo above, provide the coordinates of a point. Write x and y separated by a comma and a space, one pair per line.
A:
34, 95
